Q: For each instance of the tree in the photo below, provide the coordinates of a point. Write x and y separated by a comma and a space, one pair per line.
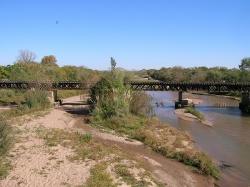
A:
245, 64
27, 72
4, 74
198, 75
70, 72
49, 60
26, 56
113, 63
214, 75
232, 75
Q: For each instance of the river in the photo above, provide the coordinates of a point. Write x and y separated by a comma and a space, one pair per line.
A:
227, 141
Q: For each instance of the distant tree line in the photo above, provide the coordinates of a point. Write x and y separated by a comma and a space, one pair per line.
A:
203, 74
26, 68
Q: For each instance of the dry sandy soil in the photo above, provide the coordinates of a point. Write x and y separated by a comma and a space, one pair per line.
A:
34, 165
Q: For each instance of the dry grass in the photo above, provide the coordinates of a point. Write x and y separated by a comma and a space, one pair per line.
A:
113, 167
177, 145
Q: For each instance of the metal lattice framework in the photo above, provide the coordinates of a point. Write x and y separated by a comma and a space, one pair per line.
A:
148, 86
178, 86
61, 85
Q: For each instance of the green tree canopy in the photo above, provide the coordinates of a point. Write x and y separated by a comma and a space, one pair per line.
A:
245, 64
113, 63
4, 74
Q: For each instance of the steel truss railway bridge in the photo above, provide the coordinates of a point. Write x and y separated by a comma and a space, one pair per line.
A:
210, 87
148, 86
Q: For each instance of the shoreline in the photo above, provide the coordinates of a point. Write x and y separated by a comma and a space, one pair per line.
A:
40, 170
224, 96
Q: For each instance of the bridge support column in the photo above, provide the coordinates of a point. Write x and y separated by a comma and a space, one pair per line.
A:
55, 95
50, 95
245, 102
180, 97
181, 103
178, 104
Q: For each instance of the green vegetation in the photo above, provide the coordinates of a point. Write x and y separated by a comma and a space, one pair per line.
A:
100, 177
195, 112
116, 107
5, 136
176, 145
203, 74
34, 101
61, 94
48, 70
6, 142
113, 106
7, 96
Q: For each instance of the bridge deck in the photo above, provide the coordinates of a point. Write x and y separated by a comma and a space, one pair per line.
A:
153, 86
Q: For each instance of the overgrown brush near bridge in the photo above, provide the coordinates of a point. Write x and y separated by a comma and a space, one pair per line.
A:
116, 107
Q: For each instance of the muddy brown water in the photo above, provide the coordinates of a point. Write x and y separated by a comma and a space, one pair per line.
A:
228, 141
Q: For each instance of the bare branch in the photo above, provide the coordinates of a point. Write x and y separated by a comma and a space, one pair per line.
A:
26, 56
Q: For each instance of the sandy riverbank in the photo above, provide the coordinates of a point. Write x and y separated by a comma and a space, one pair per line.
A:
36, 164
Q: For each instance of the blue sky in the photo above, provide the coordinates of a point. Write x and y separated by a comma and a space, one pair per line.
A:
138, 34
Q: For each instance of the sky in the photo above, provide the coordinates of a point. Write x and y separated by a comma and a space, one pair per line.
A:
138, 34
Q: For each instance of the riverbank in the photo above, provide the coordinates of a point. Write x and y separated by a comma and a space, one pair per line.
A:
224, 96
47, 154
227, 141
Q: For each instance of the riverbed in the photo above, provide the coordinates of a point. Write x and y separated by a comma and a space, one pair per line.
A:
227, 141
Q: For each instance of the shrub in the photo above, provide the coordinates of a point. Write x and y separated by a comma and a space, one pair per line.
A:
6, 141
109, 99
5, 136
5, 94
99, 91
36, 98
140, 103
11, 95
195, 112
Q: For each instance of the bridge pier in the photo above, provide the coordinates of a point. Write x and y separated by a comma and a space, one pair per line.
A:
55, 95
50, 95
245, 102
181, 103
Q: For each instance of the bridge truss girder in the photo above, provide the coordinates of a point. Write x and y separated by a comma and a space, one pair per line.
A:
61, 85
147, 86
171, 86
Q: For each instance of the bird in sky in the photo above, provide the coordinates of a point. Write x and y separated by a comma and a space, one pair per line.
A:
56, 22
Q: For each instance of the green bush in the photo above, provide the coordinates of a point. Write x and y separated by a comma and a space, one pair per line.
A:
36, 98
109, 99
11, 95
7, 93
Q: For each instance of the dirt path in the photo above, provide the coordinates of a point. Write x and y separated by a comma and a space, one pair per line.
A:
35, 164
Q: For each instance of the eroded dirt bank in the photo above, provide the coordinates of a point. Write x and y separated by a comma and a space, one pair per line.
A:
37, 164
